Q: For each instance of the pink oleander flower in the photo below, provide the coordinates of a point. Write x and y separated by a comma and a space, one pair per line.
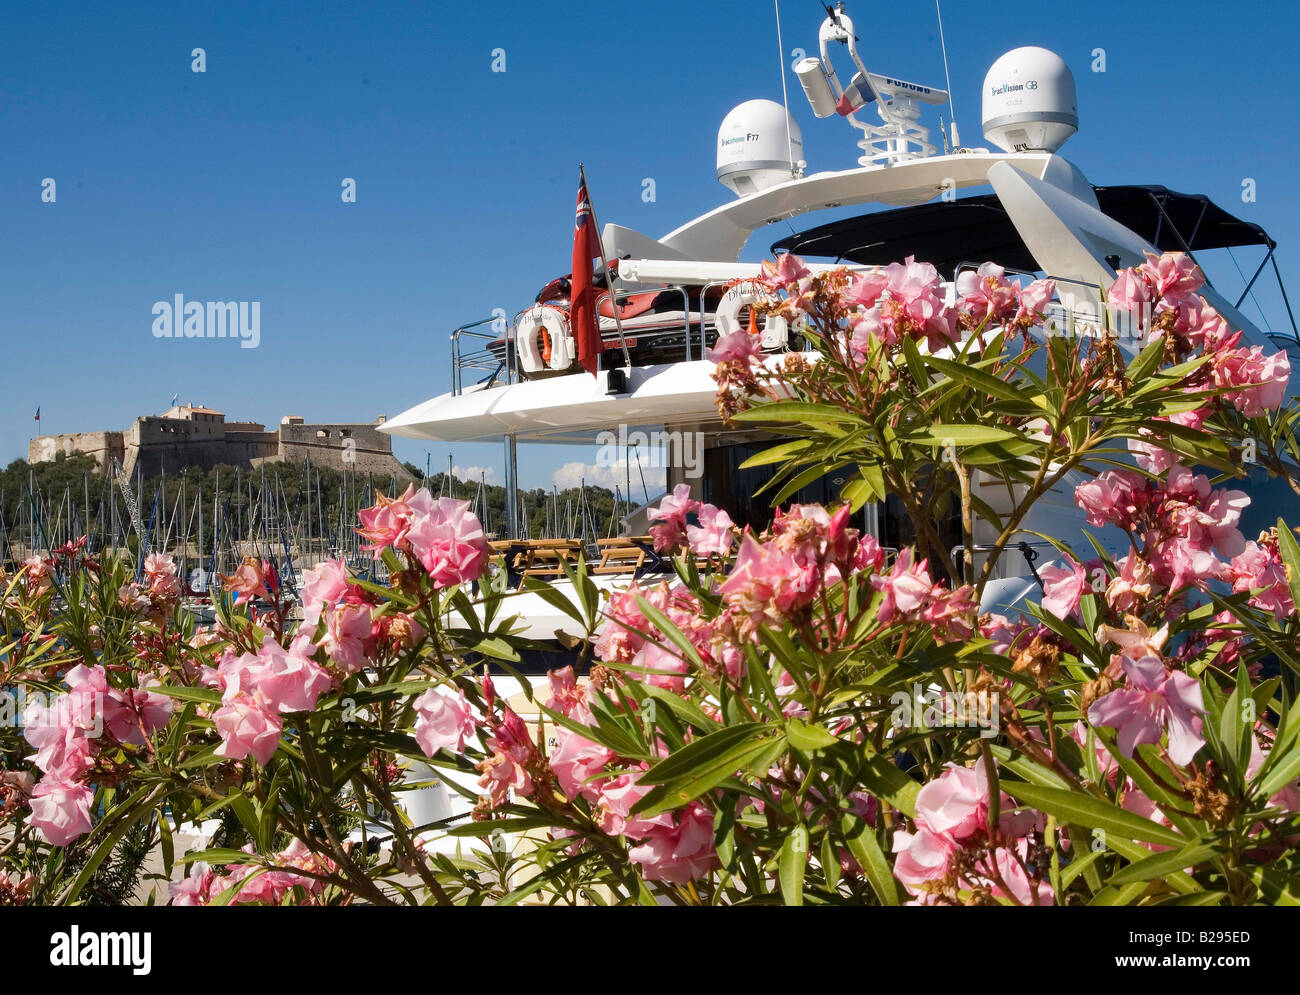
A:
1135, 642
247, 724
253, 579
1012, 873
1116, 497
922, 857
1034, 300
684, 852
1259, 568
577, 763
512, 751
1262, 379
952, 614
1130, 291
349, 636
1172, 274
568, 697
736, 347
787, 269
659, 667
671, 516
322, 587
956, 805
916, 295
767, 580
450, 543
618, 796
389, 520
907, 586
159, 565
196, 888
442, 721
871, 324
1132, 585
1153, 700
290, 679
865, 289
1063, 587
988, 294
39, 575
60, 810
714, 533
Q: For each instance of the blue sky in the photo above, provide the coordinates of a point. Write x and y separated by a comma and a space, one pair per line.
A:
225, 185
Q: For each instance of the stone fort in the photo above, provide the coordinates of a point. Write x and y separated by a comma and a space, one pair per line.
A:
192, 435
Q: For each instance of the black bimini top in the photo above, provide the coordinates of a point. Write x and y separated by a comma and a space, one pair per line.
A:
977, 228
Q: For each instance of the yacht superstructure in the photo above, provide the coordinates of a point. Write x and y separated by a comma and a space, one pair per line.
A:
674, 295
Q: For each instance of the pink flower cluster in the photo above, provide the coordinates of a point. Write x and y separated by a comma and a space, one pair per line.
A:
1184, 526
1259, 568
710, 534
514, 756
443, 721
1256, 383
1153, 699
654, 660
256, 689
902, 300
987, 296
806, 550
442, 534
265, 887
951, 849
911, 596
672, 846
70, 732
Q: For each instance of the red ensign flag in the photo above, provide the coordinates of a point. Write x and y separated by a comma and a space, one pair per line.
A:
582, 299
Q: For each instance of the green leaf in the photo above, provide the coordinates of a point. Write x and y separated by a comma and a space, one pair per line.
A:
980, 379
210, 696
1119, 895
793, 863
1160, 864
1275, 886
706, 763
959, 435
777, 454
864, 846
1279, 773
806, 737
795, 411
884, 780
1092, 812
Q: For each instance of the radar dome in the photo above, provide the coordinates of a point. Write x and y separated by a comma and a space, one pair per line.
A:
1029, 101
759, 146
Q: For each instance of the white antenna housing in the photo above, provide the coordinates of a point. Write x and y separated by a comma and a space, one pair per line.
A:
815, 87
759, 146
1029, 101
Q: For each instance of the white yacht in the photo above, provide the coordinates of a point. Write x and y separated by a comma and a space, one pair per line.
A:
1018, 202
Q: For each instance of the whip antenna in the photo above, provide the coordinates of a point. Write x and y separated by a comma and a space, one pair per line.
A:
952, 111
785, 98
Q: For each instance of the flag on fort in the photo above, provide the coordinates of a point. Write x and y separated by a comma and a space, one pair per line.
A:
38, 413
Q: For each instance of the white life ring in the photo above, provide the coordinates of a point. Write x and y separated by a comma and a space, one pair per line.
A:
776, 330
543, 340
